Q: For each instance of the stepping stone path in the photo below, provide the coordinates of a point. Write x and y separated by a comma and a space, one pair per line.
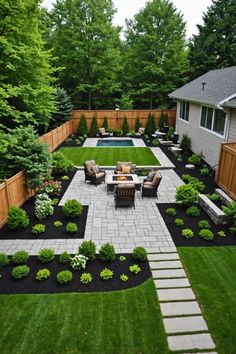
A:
184, 324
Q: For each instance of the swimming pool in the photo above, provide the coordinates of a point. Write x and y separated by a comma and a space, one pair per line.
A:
114, 142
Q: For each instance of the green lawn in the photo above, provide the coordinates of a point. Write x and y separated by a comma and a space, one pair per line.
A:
212, 272
104, 156
122, 322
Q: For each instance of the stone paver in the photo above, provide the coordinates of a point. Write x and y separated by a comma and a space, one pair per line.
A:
180, 308
168, 273
165, 265
175, 294
185, 324
163, 257
171, 283
190, 341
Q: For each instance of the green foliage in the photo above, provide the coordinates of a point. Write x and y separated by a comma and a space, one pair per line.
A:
38, 229
205, 171
17, 218
179, 222
203, 224
194, 182
55, 201
107, 253
140, 254
163, 120
83, 127
170, 132
187, 233
206, 234
230, 210
46, 255
185, 143
20, 272
4, 260
106, 274
43, 274
61, 163
64, 257
78, 262
137, 124
105, 123
65, 178
64, 277
221, 233
195, 159
134, 268
20, 257
155, 142
232, 230
124, 277
122, 258
171, 211
150, 126
126, 101
186, 194
43, 206
214, 197
94, 126
58, 223
88, 249
72, 208
63, 108
71, 228
193, 211
86, 278
125, 126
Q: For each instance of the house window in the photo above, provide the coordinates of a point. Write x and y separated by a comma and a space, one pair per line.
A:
184, 110
213, 119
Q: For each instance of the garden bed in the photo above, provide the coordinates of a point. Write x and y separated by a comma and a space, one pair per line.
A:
191, 222
29, 285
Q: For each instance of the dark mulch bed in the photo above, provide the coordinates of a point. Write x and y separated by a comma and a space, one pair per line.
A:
29, 285
191, 223
64, 184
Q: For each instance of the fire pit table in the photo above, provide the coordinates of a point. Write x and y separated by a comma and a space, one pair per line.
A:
114, 180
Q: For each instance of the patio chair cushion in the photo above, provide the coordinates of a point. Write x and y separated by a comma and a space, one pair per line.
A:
150, 176
156, 179
95, 169
126, 169
100, 174
90, 165
102, 130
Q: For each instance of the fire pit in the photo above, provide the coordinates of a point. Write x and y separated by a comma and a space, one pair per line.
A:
122, 178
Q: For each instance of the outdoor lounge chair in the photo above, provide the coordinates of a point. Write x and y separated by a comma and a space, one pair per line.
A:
140, 132
124, 195
103, 133
93, 173
150, 185
124, 168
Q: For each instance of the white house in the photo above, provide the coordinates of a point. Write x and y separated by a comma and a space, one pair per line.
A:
206, 112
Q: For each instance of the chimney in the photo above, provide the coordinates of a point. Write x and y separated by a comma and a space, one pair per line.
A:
203, 85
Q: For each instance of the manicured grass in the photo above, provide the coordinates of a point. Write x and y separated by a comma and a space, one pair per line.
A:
212, 275
104, 156
123, 322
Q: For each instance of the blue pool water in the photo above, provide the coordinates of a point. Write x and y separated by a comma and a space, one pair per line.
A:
116, 143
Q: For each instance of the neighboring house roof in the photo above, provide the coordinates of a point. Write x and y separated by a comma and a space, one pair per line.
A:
230, 103
211, 88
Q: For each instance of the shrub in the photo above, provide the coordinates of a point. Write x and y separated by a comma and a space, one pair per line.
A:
72, 208
122, 258
105, 123
20, 257
61, 163
4, 260
94, 126
171, 211
230, 210
106, 274
86, 278
58, 223
186, 194
55, 201
179, 222
155, 142
134, 269
43, 274
185, 143
107, 253
203, 224
50, 187
82, 128
64, 277
46, 255
206, 234
178, 157
64, 257
78, 262
205, 171
38, 229
125, 126
65, 178
140, 254
221, 233
20, 272
193, 211
170, 132
195, 182
71, 228
187, 233
137, 124
43, 206
214, 197
194, 159
124, 277
17, 218
232, 230
88, 249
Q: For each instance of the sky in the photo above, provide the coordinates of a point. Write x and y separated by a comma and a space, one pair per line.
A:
192, 10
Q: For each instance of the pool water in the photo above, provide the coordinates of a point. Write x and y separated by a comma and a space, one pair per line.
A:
116, 143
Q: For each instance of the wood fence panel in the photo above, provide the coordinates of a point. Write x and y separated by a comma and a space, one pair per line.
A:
226, 171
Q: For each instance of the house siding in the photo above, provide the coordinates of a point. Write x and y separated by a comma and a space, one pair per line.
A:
232, 127
202, 141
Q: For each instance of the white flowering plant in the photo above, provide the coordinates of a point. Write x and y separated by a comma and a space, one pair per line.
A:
43, 206
78, 262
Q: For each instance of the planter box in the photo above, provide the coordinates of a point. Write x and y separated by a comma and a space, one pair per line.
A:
216, 214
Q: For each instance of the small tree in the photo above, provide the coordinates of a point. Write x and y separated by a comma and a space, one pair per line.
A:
83, 128
94, 126
125, 126
150, 126
163, 120
63, 108
137, 124
105, 123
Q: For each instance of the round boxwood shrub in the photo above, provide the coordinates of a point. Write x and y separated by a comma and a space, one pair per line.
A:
38, 229
17, 218
20, 272
193, 211
64, 277
64, 257
88, 249
72, 208
43, 274
20, 257
203, 224
186, 194
107, 253
4, 260
171, 211
140, 254
206, 234
71, 228
187, 233
195, 159
46, 255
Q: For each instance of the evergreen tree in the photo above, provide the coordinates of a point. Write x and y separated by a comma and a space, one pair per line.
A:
163, 120
105, 123
137, 124
94, 126
149, 129
83, 127
125, 126
63, 108
215, 45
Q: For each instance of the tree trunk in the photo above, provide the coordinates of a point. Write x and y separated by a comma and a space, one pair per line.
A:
151, 102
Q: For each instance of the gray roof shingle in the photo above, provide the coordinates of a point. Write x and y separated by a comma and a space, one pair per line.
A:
219, 84
230, 103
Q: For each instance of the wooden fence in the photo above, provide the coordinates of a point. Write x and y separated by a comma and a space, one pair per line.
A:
56, 136
226, 171
116, 117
